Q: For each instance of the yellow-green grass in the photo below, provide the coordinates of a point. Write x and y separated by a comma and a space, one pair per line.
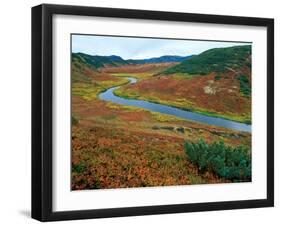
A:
90, 91
124, 107
182, 76
155, 115
86, 91
165, 118
134, 75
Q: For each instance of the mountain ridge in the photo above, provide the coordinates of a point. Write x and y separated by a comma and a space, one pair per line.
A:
215, 60
97, 61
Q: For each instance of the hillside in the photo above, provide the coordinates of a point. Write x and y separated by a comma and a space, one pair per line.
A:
215, 60
86, 67
216, 82
95, 62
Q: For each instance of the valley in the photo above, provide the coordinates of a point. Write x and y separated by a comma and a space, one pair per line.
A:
118, 145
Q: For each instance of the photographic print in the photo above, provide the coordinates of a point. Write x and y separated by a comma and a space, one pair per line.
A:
159, 112
138, 112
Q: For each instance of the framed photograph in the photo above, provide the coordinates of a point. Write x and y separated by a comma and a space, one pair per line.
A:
145, 112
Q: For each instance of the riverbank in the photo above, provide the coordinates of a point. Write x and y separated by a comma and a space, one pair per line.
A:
120, 93
204, 96
110, 95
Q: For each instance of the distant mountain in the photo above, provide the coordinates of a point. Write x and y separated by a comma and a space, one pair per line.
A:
162, 59
215, 60
96, 62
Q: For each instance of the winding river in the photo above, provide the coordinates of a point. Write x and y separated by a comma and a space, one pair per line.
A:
109, 95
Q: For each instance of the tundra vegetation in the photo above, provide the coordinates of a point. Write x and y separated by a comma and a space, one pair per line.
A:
118, 146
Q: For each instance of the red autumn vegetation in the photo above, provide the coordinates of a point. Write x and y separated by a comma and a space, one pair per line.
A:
115, 146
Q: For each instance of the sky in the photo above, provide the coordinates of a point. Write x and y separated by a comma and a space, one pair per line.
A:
141, 48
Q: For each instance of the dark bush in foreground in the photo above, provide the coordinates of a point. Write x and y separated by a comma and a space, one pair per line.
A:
232, 163
74, 120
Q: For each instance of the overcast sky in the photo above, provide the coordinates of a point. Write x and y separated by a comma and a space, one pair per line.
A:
141, 48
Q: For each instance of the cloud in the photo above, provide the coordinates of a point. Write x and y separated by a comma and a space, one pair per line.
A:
140, 48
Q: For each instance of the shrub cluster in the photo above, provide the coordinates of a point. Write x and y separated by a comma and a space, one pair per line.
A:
74, 120
232, 163
245, 87
217, 77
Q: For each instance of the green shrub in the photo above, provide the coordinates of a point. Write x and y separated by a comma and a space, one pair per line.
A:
245, 88
79, 168
217, 77
233, 163
74, 120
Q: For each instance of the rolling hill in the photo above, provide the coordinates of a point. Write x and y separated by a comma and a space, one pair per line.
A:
216, 82
96, 62
215, 60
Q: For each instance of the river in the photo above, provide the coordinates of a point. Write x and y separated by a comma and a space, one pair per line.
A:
109, 95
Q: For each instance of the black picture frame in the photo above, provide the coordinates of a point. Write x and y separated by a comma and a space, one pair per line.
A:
42, 107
